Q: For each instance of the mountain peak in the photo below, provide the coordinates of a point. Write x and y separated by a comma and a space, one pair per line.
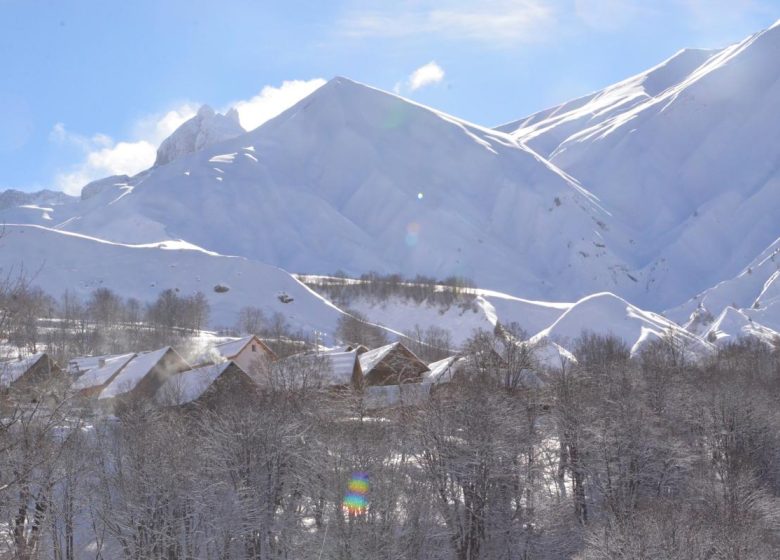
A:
207, 127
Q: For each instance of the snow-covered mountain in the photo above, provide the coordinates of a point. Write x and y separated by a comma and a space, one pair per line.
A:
357, 179
39, 206
754, 293
201, 131
655, 189
686, 156
608, 314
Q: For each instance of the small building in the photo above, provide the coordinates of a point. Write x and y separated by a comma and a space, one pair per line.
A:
246, 352
392, 364
144, 374
208, 386
332, 370
28, 372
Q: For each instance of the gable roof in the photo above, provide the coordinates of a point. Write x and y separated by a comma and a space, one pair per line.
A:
369, 360
232, 348
96, 376
188, 386
132, 374
11, 370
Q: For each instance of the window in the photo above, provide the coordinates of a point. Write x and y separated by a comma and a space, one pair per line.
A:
254, 348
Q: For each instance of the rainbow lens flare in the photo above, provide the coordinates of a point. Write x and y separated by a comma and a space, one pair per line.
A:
357, 489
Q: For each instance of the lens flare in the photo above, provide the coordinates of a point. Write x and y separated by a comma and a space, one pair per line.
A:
355, 501
412, 234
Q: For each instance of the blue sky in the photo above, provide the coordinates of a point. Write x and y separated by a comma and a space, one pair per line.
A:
90, 87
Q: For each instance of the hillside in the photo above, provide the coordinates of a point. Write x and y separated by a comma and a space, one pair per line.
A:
58, 261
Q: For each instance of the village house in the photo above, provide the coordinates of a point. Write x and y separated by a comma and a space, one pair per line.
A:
392, 364
143, 375
334, 369
248, 353
25, 373
210, 386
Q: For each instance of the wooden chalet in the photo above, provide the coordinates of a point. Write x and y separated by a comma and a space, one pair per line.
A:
246, 352
27, 373
211, 386
336, 369
392, 364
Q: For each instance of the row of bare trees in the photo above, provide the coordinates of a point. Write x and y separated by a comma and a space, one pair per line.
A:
102, 323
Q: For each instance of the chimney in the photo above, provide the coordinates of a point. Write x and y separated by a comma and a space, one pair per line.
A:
101, 362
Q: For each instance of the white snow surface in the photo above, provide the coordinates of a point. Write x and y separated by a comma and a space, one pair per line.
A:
56, 259
608, 314
733, 325
754, 292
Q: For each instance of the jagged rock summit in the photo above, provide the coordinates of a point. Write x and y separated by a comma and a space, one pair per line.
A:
207, 127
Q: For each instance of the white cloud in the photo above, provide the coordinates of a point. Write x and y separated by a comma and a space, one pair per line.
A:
426, 75
497, 22
104, 156
272, 101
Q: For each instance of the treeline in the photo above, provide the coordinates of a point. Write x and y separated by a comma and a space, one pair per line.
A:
613, 457
376, 287
101, 323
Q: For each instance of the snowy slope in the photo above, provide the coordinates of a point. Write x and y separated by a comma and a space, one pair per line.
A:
546, 130
607, 314
357, 179
733, 324
755, 292
58, 261
32, 207
460, 319
690, 166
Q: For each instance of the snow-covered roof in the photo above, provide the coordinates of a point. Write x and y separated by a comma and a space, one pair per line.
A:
81, 364
183, 388
339, 367
97, 376
11, 370
370, 359
232, 348
334, 368
442, 370
133, 373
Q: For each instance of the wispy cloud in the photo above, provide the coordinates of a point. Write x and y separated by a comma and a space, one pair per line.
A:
487, 21
272, 101
103, 156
